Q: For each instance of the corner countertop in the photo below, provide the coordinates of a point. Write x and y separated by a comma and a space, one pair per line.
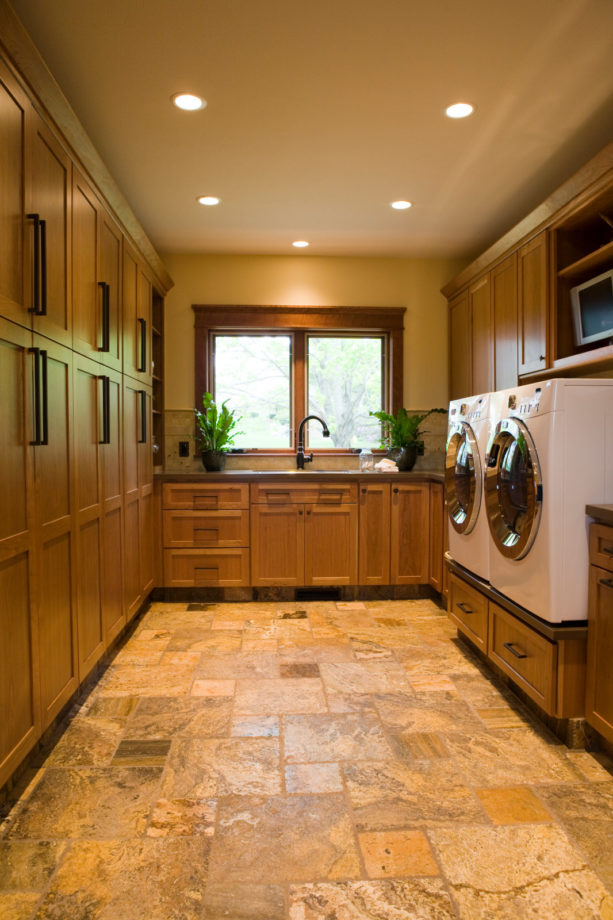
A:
601, 513
301, 476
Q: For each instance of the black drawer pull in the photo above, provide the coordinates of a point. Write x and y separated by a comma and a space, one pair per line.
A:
465, 608
606, 582
513, 650
608, 550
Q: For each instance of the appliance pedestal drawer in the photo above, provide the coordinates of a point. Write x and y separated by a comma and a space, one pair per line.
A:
528, 658
468, 609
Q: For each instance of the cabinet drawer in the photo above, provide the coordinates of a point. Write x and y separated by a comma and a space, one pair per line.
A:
601, 546
528, 658
468, 609
184, 529
311, 493
193, 568
191, 496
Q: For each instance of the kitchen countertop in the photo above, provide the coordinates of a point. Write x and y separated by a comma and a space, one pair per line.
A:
302, 475
601, 513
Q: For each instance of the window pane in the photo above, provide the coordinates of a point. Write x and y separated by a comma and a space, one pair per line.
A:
253, 373
345, 383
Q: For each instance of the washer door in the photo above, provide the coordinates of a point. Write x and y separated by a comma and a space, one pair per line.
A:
513, 488
463, 477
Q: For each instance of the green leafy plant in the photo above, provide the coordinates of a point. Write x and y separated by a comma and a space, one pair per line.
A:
402, 429
215, 425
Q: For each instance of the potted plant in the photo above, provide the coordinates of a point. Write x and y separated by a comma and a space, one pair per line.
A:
402, 435
215, 432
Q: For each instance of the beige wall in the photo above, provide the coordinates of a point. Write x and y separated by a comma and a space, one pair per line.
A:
312, 280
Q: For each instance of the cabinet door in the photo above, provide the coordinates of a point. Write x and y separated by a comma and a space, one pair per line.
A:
132, 578
13, 119
482, 343
86, 295
436, 535
460, 350
145, 490
599, 686
55, 477
277, 541
88, 500
533, 304
48, 197
19, 702
137, 298
331, 545
504, 312
410, 534
374, 534
112, 506
109, 282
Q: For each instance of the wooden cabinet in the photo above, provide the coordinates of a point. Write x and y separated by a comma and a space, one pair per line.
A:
374, 533
525, 656
111, 465
206, 534
460, 347
599, 683
137, 495
468, 609
533, 304
479, 299
437, 528
14, 121
137, 307
410, 533
504, 319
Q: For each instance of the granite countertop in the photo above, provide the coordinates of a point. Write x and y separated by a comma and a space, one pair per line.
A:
300, 475
601, 513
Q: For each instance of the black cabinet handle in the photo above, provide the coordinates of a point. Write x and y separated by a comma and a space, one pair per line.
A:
608, 550
465, 608
45, 399
513, 650
106, 409
363, 491
396, 490
142, 367
39, 292
106, 316
143, 417
606, 582
43, 268
36, 396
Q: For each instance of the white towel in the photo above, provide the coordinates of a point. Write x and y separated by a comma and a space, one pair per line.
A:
386, 466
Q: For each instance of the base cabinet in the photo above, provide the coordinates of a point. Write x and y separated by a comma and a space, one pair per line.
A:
410, 534
599, 686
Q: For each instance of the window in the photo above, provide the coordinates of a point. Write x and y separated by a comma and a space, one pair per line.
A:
275, 365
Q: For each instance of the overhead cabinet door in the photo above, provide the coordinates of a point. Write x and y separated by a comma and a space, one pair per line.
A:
13, 123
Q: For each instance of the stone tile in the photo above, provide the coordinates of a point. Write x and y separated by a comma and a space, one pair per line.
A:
167, 717
18, 905
213, 688
269, 697
243, 902
502, 718
335, 737
304, 778
219, 642
146, 681
397, 854
417, 899
527, 871
141, 752
437, 713
255, 727
131, 879
350, 702
259, 645
390, 795
365, 650
27, 865
241, 665
286, 838
112, 711
364, 677
513, 806
183, 818
199, 768
419, 745
593, 767
181, 659
141, 651
85, 802
299, 669
86, 743
434, 683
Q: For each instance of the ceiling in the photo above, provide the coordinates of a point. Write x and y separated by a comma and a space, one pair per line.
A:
319, 114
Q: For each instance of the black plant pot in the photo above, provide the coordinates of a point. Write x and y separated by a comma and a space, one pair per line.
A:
213, 460
403, 457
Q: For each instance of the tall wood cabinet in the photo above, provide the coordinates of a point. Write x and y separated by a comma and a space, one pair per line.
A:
76, 516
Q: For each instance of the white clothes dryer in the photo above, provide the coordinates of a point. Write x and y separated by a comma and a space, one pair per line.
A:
549, 456
469, 426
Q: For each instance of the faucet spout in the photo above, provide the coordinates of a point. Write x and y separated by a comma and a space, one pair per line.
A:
301, 458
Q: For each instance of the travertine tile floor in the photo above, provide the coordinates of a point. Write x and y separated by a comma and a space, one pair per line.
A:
312, 761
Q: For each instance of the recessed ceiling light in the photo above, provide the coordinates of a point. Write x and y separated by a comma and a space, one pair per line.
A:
400, 205
209, 200
459, 110
188, 102
300, 244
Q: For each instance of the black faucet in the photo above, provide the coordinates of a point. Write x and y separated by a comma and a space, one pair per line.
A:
301, 459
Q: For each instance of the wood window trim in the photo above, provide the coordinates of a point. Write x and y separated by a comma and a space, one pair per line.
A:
210, 318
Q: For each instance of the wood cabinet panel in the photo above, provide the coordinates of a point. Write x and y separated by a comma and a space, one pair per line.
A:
504, 317
437, 523
307, 493
111, 352
331, 545
599, 684
460, 347
185, 529
56, 625
410, 536
137, 307
112, 509
469, 611
86, 295
528, 658
374, 534
601, 546
277, 544
189, 496
533, 304
479, 298
14, 107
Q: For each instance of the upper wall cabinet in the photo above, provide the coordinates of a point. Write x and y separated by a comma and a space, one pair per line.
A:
137, 294
460, 347
479, 297
504, 318
533, 304
13, 126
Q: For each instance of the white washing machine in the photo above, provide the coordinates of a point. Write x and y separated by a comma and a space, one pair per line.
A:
469, 427
549, 455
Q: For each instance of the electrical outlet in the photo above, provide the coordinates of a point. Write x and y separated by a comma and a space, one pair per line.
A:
184, 448
420, 448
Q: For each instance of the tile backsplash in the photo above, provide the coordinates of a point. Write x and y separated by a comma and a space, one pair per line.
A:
179, 426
